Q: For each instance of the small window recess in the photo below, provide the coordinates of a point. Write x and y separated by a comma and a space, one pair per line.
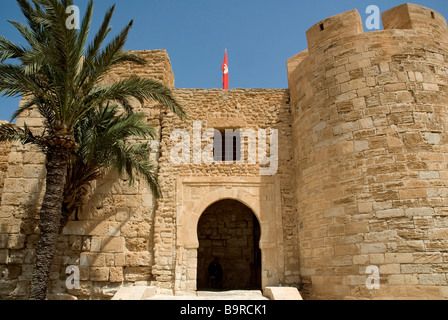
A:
433, 15
227, 148
322, 28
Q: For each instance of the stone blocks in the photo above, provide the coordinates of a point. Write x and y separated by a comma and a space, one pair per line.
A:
282, 293
361, 178
387, 102
135, 293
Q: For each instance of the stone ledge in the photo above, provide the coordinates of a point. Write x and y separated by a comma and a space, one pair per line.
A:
135, 293
61, 297
282, 293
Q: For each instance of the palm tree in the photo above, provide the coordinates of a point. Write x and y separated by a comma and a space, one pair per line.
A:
60, 76
103, 139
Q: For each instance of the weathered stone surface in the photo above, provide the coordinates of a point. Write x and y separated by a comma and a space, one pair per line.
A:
388, 180
135, 293
282, 293
361, 177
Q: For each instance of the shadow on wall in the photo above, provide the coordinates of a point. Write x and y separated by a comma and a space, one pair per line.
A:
110, 242
18, 239
228, 230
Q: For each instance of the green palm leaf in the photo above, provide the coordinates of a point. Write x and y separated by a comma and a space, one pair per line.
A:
103, 137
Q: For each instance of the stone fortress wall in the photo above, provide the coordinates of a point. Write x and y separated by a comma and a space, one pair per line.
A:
123, 237
112, 241
370, 130
186, 186
362, 176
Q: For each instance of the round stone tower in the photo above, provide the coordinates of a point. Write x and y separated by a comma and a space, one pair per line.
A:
370, 130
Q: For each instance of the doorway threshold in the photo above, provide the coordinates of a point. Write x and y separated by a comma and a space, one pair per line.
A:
214, 295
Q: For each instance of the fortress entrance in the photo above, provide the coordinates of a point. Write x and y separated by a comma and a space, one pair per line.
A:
236, 219
230, 231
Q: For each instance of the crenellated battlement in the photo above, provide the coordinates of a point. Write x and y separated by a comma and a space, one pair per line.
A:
349, 24
412, 16
341, 26
362, 181
369, 112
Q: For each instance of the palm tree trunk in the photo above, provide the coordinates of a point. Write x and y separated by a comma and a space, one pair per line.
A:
57, 161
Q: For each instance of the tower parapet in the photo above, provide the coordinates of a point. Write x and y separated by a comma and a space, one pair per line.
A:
370, 113
335, 28
411, 16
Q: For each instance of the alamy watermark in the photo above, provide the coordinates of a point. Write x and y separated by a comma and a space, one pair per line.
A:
226, 147
72, 281
373, 280
373, 21
208, 154
73, 20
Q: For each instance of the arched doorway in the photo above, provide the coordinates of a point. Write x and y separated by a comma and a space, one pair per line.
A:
230, 231
196, 194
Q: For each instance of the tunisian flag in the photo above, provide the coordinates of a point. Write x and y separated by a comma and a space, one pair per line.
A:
225, 76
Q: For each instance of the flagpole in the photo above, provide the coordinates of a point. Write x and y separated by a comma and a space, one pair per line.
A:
225, 70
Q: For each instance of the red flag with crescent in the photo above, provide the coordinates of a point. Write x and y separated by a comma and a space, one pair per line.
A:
225, 70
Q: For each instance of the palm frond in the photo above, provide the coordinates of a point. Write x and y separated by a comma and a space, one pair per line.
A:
28, 11
104, 139
99, 66
9, 50
10, 132
100, 130
26, 32
14, 81
61, 76
139, 88
84, 31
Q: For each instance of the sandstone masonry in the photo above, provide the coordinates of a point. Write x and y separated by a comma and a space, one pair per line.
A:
362, 178
370, 115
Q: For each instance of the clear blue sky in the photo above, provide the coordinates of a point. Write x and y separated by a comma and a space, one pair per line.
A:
260, 35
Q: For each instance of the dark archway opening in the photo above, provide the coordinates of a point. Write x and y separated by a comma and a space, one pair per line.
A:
230, 231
